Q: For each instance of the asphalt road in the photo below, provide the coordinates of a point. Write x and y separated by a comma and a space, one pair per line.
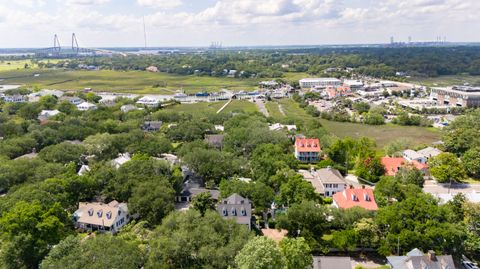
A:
437, 188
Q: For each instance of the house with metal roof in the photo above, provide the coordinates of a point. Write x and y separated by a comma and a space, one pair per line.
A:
101, 217
416, 259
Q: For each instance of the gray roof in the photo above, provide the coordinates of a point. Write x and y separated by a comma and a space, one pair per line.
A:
233, 206
429, 152
415, 259
333, 262
215, 140
330, 175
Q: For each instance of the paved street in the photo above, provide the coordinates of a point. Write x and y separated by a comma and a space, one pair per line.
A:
437, 188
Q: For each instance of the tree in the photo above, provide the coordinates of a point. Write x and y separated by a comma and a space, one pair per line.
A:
296, 190
446, 167
267, 159
471, 161
151, 145
306, 219
361, 107
370, 168
410, 175
73, 253
188, 240
345, 240
368, 233
152, 200
62, 153
296, 252
260, 253
48, 101
372, 118
395, 147
28, 231
203, 202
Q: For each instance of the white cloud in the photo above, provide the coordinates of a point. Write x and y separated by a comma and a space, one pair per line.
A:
160, 4
86, 2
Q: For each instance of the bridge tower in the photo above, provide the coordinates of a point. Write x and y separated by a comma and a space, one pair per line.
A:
56, 44
75, 46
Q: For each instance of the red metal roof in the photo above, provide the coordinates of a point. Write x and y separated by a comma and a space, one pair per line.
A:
353, 197
307, 145
392, 165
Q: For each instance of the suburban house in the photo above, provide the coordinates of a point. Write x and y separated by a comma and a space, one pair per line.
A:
411, 155
17, 98
170, 158
121, 159
72, 100
101, 217
152, 68
352, 197
149, 101
86, 106
307, 149
47, 114
215, 141
415, 259
128, 108
394, 164
429, 152
151, 126
279, 126
238, 208
325, 181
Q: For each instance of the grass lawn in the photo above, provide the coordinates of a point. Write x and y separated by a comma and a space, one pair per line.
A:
293, 111
195, 108
243, 105
444, 81
274, 111
383, 134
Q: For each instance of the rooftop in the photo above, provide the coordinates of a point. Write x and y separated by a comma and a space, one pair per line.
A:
100, 213
352, 197
307, 145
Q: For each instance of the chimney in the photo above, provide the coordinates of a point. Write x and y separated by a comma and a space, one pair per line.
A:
351, 186
363, 186
431, 255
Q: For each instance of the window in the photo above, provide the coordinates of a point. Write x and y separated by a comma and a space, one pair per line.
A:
234, 211
100, 213
224, 212
243, 211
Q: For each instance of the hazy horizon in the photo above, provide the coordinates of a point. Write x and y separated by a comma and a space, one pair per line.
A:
234, 23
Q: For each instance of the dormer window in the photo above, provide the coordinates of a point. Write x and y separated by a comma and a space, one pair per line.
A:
243, 211
367, 198
234, 212
224, 212
100, 213
109, 214
90, 212
354, 197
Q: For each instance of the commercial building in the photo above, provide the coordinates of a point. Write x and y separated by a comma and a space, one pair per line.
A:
319, 82
461, 96
307, 149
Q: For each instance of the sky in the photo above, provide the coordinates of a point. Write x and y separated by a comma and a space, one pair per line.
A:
119, 23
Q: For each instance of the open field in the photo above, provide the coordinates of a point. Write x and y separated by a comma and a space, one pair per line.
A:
123, 81
213, 107
444, 81
383, 134
274, 111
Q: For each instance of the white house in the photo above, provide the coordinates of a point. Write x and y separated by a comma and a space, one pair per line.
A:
149, 101
128, 108
86, 106
411, 155
326, 181
121, 159
101, 217
319, 82
17, 98
46, 114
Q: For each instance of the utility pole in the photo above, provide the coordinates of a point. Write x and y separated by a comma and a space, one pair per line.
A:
398, 245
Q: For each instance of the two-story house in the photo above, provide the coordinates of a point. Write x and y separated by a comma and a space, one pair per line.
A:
101, 217
307, 149
238, 208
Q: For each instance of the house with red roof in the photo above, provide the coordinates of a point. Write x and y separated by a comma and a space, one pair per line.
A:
352, 197
394, 164
307, 149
